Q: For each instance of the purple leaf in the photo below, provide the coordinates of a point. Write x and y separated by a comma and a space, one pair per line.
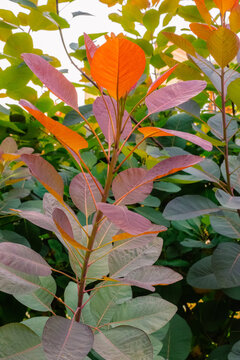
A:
90, 47
8, 146
148, 276
66, 339
83, 192
53, 79
130, 179
105, 109
24, 259
173, 95
38, 219
45, 174
125, 219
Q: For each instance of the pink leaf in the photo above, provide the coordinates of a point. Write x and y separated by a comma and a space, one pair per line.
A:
127, 180
161, 79
152, 131
125, 219
53, 79
85, 195
105, 109
90, 47
173, 95
38, 219
45, 174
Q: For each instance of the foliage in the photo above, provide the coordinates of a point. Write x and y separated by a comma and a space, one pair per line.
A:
119, 185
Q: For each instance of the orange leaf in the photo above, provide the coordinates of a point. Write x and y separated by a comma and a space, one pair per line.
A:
203, 31
224, 5
161, 79
181, 42
69, 138
234, 19
203, 11
117, 65
223, 45
10, 157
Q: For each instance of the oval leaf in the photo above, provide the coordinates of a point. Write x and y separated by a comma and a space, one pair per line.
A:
201, 275
105, 110
90, 47
117, 65
203, 11
45, 174
203, 31
161, 79
173, 95
66, 339
180, 41
22, 258
85, 193
125, 219
53, 79
224, 5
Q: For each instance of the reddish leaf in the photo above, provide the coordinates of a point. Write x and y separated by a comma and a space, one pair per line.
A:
38, 219
203, 11
69, 138
53, 79
203, 31
45, 174
8, 145
66, 339
161, 79
21, 258
85, 195
125, 219
148, 276
173, 95
127, 180
105, 109
117, 65
90, 47
234, 19
64, 227
152, 131
145, 237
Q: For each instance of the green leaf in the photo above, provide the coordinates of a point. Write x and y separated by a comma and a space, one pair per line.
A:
15, 77
57, 20
177, 343
153, 215
36, 324
188, 207
27, 3
220, 353
235, 352
151, 19
151, 201
226, 223
234, 91
12, 236
40, 299
226, 264
234, 169
17, 342
167, 187
17, 44
148, 313
201, 275
189, 13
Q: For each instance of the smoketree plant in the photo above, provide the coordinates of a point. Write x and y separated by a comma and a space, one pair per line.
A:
117, 248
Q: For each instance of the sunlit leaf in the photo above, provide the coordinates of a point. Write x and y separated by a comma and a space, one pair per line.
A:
224, 5
234, 19
46, 175
223, 45
181, 42
66, 136
117, 65
151, 132
105, 110
203, 31
173, 95
24, 259
160, 80
63, 338
90, 47
203, 11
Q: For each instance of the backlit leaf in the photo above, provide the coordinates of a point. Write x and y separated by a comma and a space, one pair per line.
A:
203, 31
85, 193
181, 42
25, 3
90, 47
125, 219
234, 19
173, 95
69, 138
24, 259
123, 342
63, 338
152, 131
117, 65
45, 174
203, 11
224, 5
53, 79
105, 110
223, 45
160, 80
